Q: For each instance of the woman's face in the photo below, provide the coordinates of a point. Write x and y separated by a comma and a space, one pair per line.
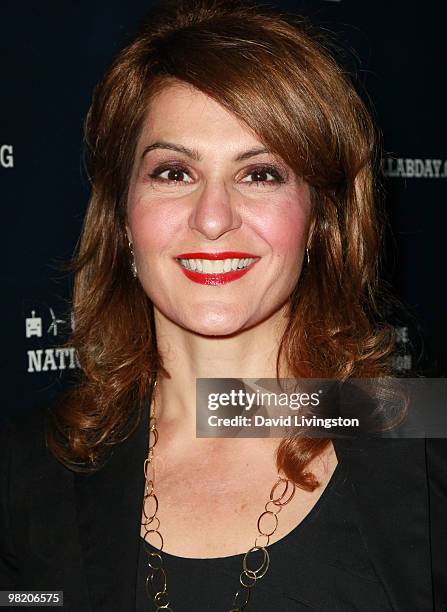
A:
218, 223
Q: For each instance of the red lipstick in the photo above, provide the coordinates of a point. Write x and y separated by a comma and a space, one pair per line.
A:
216, 279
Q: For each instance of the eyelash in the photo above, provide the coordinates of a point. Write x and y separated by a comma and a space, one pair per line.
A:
278, 178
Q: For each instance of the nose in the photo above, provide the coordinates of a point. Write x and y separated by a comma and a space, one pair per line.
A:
215, 211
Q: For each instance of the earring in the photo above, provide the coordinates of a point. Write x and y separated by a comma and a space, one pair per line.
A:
307, 256
133, 265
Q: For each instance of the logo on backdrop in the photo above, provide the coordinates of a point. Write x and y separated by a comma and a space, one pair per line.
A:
47, 325
402, 361
6, 156
406, 167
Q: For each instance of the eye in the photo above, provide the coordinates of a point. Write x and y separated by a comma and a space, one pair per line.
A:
263, 175
172, 175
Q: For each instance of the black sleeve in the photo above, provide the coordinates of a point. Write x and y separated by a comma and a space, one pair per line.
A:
8, 560
436, 449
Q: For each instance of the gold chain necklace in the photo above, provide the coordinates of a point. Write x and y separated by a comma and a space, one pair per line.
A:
156, 581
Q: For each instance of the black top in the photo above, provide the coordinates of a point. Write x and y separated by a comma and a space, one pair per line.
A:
379, 527
322, 564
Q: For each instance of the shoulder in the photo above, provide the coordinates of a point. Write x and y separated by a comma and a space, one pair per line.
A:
34, 490
22, 440
414, 465
393, 450
436, 464
436, 453
24, 431
400, 487
26, 464
410, 472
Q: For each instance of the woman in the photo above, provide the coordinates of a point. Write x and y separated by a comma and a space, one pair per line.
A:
232, 232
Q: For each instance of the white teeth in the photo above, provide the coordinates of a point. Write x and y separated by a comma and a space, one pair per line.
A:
207, 266
216, 266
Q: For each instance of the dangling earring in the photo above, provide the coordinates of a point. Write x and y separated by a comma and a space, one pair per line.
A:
133, 265
307, 256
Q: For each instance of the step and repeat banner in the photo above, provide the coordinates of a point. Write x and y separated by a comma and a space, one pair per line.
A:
53, 53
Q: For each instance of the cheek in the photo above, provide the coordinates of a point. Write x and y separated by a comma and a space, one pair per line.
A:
285, 228
153, 225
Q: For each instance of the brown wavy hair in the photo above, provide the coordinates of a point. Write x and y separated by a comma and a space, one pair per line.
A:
276, 74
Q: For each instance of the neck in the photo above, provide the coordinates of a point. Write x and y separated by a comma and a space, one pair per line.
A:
251, 353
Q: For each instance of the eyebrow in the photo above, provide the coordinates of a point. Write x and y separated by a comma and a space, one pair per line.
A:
194, 154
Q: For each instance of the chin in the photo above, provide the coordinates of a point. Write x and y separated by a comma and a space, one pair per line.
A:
215, 320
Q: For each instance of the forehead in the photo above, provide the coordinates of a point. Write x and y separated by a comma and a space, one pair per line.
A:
180, 111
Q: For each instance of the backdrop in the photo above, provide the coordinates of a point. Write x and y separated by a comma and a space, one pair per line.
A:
53, 53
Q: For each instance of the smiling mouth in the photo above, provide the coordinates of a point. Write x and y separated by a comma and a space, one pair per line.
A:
216, 266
